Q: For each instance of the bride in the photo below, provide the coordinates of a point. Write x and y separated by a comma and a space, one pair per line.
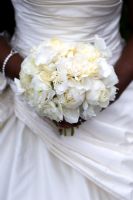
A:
97, 162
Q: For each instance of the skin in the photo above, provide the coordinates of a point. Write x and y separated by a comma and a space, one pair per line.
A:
123, 67
14, 65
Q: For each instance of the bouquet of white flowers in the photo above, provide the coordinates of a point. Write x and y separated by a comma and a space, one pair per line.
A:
66, 81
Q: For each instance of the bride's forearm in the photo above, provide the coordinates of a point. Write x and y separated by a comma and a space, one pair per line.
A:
124, 67
13, 65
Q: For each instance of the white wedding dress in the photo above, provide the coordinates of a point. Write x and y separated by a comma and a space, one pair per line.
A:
35, 161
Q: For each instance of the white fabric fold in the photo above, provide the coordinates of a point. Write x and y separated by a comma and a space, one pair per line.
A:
6, 106
98, 161
3, 83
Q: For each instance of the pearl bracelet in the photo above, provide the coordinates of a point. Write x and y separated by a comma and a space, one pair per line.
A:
12, 52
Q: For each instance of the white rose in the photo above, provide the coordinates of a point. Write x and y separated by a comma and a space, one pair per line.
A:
84, 85
41, 89
38, 84
71, 115
104, 98
90, 111
72, 98
105, 70
93, 96
111, 80
28, 66
25, 80
61, 88
113, 91
45, 55
51, 110
101, 45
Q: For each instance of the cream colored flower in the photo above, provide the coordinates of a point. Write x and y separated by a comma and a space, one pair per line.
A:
62, 80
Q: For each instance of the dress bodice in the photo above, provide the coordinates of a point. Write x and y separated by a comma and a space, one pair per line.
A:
73, 20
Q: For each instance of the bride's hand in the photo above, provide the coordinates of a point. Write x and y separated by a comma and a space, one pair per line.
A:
63, 124
14, 63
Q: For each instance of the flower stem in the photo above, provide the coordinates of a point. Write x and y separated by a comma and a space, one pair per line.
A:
60, 131
65, 132
72, 131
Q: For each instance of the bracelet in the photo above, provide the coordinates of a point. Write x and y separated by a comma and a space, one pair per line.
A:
12, 52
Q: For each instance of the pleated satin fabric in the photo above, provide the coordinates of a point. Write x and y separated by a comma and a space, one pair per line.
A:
97, 162
71, 20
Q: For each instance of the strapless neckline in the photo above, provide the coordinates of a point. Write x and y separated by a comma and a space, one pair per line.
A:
70, 20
